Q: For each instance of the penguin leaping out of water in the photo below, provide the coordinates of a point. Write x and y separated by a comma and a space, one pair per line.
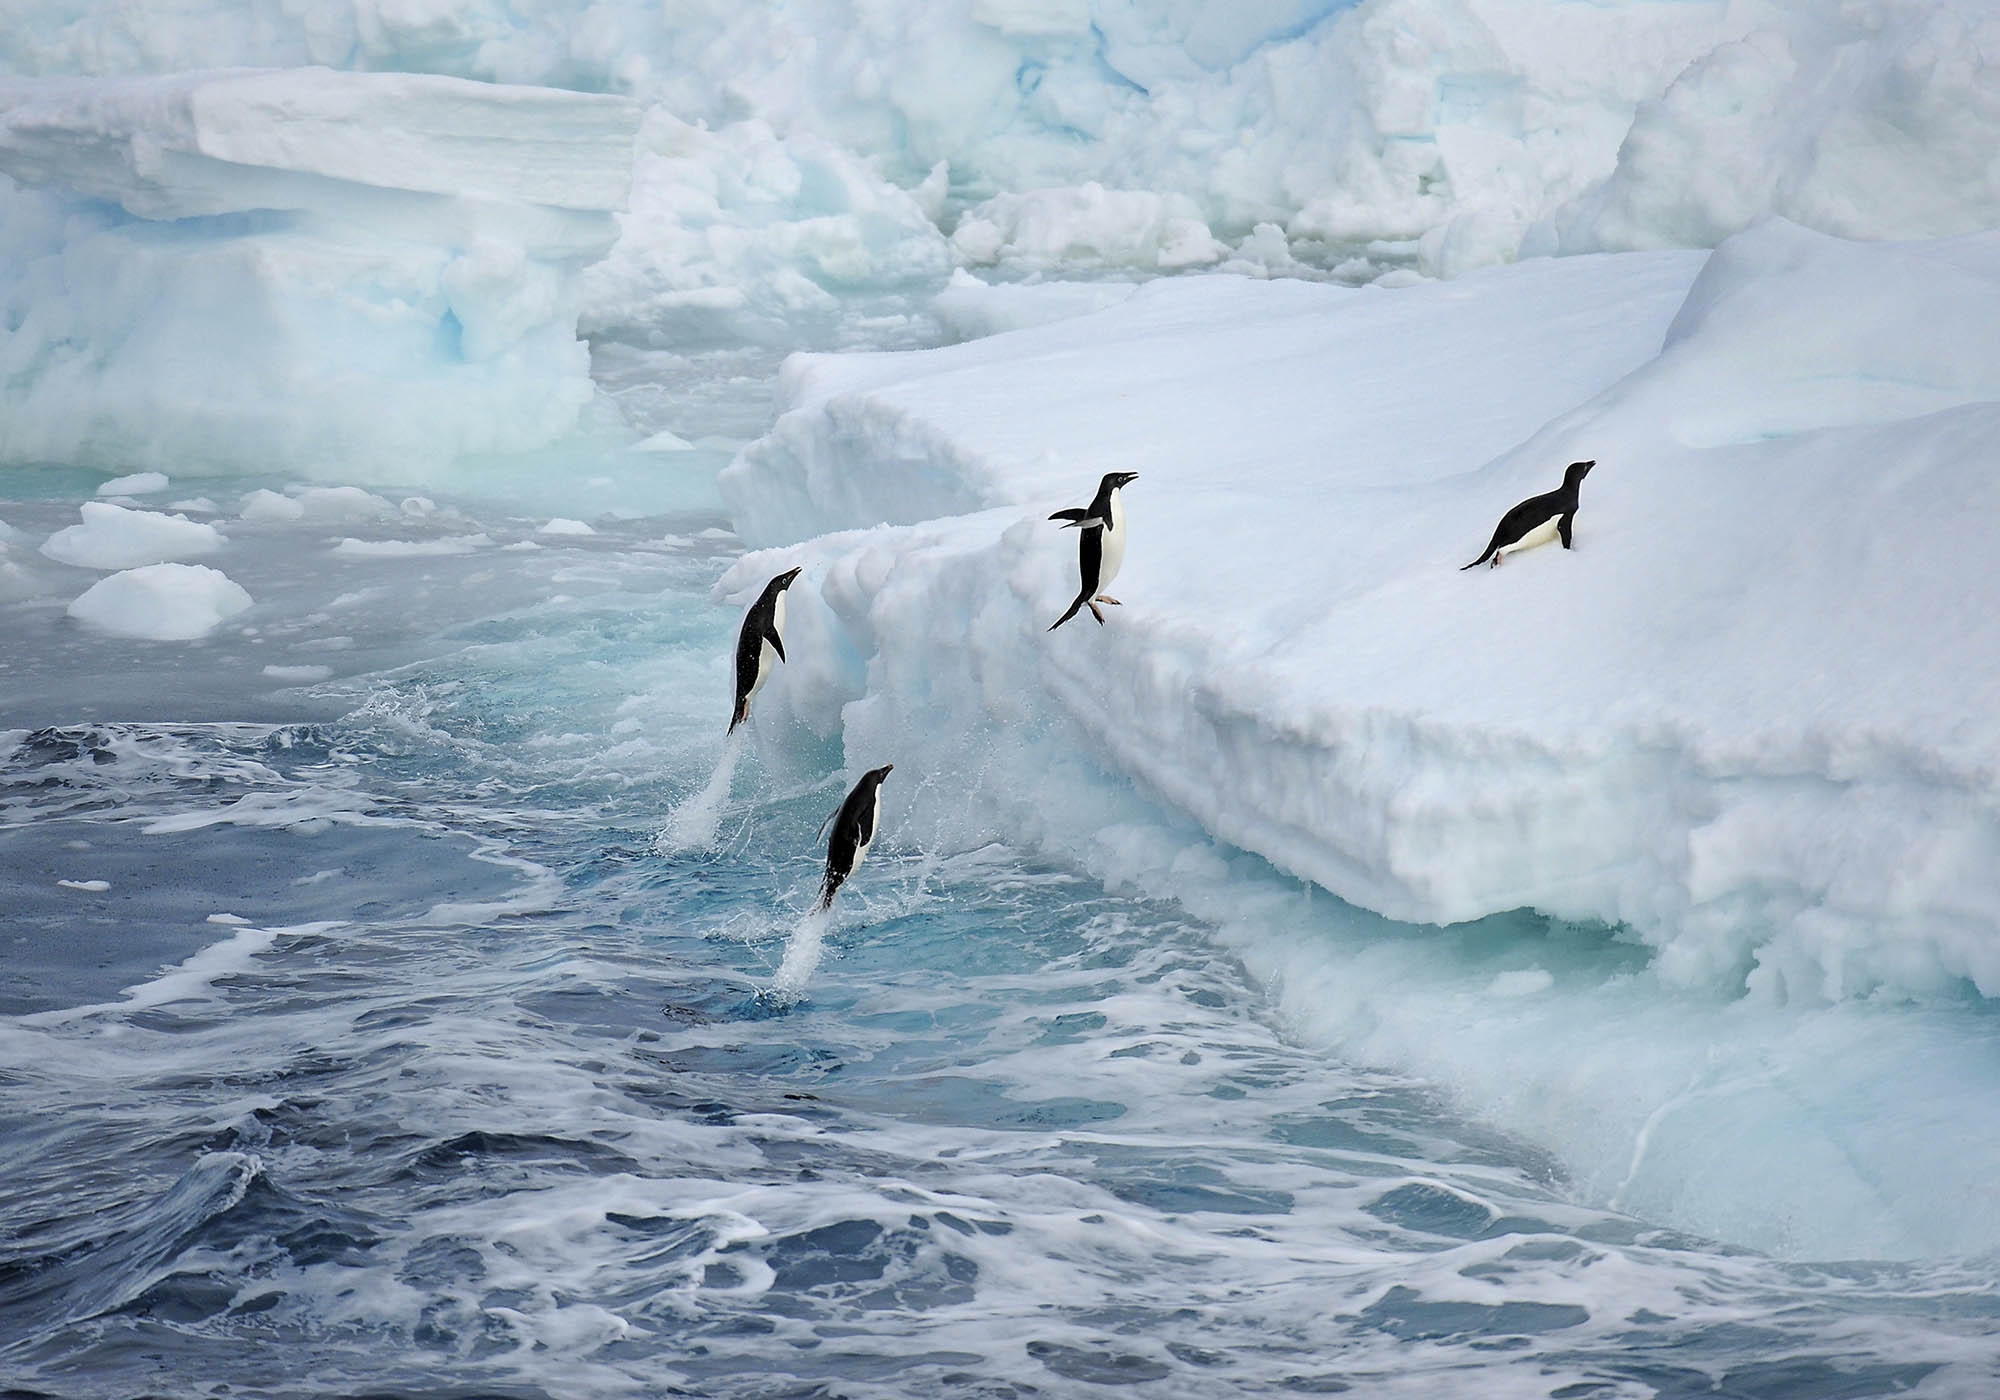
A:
1100, 545
1537, 520
761, 643
854, 828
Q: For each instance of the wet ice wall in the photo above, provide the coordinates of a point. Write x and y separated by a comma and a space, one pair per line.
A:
364, 274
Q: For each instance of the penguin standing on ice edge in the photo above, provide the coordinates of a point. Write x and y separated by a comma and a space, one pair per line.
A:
1100, 545
853, 833
760, 646
1537, 520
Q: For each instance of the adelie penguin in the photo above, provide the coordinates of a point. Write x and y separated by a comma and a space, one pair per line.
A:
1100, 545
853, 833
760, 646
1537, 520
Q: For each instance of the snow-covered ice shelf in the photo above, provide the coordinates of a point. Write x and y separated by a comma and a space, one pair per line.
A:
1754, 716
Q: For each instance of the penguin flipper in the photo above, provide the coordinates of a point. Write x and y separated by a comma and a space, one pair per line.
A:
1075, 517
777, 642
1563, 526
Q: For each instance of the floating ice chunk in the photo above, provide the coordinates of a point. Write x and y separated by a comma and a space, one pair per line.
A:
113, 537
663, 441
562, 526
137, 484
161, 602
319, 505
263, 507
87, 886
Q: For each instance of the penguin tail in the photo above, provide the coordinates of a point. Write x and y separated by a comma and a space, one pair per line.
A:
1074, 609
1474, 564
742, 713
826, 894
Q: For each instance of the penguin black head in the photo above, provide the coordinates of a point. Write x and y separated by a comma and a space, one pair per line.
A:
1113, 480
784, 580
1577, 472
876, 775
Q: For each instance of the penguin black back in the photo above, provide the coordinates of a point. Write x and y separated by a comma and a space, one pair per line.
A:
1537, 519
854, 828
760, 643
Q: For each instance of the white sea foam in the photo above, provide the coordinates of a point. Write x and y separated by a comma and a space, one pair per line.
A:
693, 824
804, 948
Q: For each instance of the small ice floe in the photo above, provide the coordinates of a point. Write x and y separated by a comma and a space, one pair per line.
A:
87, 886
113, 537
137, 484
662, 442
562, 526
161, 602
319, 505
233, 920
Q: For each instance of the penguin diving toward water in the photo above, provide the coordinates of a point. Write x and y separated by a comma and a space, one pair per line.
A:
761, 643
1100, 545
1537, 520
853, 833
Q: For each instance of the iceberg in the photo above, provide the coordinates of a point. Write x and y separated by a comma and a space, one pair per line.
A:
1750, 718
368, 274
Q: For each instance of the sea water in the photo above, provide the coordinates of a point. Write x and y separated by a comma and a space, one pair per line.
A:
378, 1019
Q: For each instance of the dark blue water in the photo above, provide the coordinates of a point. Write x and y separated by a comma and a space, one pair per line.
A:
395, 1056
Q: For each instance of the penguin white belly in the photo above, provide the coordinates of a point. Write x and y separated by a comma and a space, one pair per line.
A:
1541, 534
1112, 544
767, 655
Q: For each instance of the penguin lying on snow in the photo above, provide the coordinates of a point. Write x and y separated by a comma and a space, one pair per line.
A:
761, 643
853, 833
1100, 546
1537, 520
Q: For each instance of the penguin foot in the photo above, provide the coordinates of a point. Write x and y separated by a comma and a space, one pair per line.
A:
1097, 613
1107, 598
1496, 561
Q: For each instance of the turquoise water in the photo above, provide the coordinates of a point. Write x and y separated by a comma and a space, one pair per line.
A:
395, 1055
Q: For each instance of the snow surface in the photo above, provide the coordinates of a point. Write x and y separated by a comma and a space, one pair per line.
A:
161, 602
1751, 716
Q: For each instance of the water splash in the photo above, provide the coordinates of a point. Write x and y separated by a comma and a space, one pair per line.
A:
802, 955
692, 825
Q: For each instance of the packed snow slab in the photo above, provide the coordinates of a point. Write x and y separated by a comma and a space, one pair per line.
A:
226, 142
1752, 716
352, 274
